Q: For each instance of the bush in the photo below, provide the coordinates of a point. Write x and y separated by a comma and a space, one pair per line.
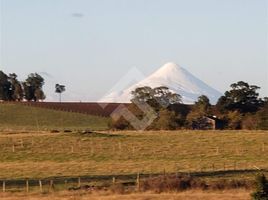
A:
261, 192
234, 120
117, 188
262, 117
172, 184
249, 122
120, 124
166, 120
224, 184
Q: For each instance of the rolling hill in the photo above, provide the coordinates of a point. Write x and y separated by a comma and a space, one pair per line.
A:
22, 117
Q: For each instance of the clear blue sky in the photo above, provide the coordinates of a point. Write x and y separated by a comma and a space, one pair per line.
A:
89, 44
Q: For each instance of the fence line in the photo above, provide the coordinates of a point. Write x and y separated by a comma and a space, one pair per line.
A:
50, 185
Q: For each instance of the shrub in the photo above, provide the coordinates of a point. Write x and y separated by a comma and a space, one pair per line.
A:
117, 188
172, 183
222, 184
261, 192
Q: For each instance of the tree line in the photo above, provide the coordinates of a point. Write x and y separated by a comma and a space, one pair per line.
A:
239, 108
31, 89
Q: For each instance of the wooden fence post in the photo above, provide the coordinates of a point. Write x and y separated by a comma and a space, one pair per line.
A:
138, 181
200, 166
51, 185
133, 150
21, 143
4, 186
65, 183
79, 182
27, 185
13, 148
72, 149
120, 146
234, 165
40, 186
91, 148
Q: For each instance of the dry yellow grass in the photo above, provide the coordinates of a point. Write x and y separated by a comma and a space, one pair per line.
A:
43, 155
188, 195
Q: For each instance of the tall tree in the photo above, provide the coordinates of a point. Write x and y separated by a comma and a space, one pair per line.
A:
203, 105
33, 87
242, 97
16, 88
200, 109
59, 89
5, 87
159, 97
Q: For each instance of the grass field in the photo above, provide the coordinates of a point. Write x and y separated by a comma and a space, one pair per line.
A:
42, 155
189, 195
29, 151
20, 117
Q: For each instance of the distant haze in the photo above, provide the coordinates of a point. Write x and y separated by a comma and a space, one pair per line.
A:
88, 45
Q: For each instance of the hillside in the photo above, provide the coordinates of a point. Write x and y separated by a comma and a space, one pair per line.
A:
90, 108
21, 117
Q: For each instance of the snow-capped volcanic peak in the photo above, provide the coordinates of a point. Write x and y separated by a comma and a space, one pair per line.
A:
176, 78
167, 69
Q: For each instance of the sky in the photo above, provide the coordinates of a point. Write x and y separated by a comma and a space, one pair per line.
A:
88, 45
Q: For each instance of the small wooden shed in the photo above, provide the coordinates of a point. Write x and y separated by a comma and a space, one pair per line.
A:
208, 123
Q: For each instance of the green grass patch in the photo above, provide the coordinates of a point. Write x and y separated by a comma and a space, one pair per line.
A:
20, 117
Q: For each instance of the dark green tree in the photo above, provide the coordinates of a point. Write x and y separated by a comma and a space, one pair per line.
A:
164, 97
16, 88
203, 105
33, 87
142, 94
200, 109
5, 87
261, 192
59, 89
242, 97
158, 98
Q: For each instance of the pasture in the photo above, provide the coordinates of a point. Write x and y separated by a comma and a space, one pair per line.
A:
30, 152
188, 195
37, 155
17, 116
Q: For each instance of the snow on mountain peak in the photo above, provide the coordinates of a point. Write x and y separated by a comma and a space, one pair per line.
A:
176, 78
168, 70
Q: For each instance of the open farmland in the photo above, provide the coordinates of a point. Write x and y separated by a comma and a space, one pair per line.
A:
17, 116
42, 155
189, 195
97, 109
30, 152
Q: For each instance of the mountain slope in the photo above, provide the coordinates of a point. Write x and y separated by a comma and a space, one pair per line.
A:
176, 78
